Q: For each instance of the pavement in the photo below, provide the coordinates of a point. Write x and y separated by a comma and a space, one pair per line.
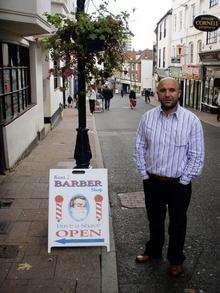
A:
25, 264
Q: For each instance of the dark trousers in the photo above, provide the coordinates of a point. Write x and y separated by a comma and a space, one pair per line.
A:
92, 106
218, 113
107, 104
158, 196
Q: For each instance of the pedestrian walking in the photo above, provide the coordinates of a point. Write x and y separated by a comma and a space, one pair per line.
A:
69, 101
100, 99
92, 99
122, 93
147, 95
132, 99
108, 95
76, 100
169, 153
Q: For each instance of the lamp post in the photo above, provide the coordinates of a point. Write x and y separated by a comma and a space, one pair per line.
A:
82, 153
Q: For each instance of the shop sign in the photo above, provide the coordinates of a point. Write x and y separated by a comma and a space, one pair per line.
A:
191, 72
176, 72
78, 208
206, 23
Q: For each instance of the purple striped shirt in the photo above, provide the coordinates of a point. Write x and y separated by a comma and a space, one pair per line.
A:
171, 146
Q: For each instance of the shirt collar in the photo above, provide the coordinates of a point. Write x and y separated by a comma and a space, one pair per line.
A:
177, 113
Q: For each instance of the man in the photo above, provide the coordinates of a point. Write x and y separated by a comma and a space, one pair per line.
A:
147, 95
108, 95
79, 208
169, 153
92, 99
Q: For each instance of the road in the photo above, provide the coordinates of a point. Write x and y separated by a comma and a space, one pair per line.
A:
116, 130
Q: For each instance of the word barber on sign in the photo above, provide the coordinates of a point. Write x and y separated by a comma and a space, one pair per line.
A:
78, 208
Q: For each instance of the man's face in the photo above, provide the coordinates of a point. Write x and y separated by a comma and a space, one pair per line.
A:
78, 210
168, 94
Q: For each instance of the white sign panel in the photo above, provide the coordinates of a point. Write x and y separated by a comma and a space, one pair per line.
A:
78, 208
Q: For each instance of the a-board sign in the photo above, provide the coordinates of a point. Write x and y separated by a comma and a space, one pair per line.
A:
206, 23
78, 208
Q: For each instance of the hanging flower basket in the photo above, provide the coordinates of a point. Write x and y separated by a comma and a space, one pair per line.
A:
99, 41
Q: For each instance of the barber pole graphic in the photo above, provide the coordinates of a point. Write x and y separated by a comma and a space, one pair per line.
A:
98, 202
59, 203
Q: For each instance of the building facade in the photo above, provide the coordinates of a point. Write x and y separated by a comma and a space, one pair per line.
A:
29, 97
194, 55
163, 40
136, 71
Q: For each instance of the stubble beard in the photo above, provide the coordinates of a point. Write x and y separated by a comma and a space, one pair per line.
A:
171, 106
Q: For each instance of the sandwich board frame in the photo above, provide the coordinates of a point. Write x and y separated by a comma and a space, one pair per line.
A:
78, 208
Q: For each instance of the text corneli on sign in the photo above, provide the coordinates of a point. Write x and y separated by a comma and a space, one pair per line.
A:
206, 23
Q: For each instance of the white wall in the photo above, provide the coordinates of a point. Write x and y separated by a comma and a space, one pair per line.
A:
183, 36
26, 6
215, 10
19, 134
146, 73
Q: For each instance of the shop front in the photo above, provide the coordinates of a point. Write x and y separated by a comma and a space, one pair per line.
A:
211, 80
176, 72
192, 86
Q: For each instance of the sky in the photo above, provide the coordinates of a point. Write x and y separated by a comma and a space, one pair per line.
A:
144, 19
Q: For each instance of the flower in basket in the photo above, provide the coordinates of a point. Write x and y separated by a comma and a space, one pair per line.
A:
51, 71
67, 72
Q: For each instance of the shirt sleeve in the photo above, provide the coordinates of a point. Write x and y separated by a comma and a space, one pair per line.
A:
140, 149
195, 154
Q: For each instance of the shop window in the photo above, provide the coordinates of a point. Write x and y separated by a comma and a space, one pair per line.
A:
211, 37
213, 3
14, 81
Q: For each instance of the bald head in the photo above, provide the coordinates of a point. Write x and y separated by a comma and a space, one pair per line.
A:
168, 79
168, 92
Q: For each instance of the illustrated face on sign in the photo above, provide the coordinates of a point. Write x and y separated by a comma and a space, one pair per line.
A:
79, 208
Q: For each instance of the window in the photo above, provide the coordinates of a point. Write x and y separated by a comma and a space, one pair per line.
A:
213, 3
199, 49
164, 56
173, 51
180, 20
174, 22
193, 13
14, 81
211, 37
159, 57
165, 28
185, 53
160, 31
190, 52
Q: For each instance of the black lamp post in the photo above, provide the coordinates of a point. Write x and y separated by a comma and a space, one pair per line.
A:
82, 153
